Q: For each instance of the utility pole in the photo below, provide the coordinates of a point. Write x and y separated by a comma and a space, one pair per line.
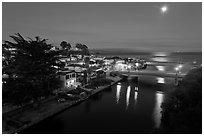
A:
178, 68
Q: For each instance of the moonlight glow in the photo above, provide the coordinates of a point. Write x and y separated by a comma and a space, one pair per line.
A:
164, 9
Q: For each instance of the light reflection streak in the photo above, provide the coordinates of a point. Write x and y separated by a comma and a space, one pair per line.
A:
160, 80
118, 92
161, 54
160, 68
127, 97
158, 109
160, 59
136, 93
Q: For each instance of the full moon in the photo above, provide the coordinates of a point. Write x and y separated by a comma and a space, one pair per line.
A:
164, 9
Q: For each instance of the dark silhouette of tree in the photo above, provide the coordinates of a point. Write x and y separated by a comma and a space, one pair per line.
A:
182, 111
84, 49
65, 45
81, 46
89, 69
100, 62
87, 61
66, 49
31, 69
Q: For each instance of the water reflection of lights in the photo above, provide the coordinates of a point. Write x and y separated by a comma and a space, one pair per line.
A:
127, 97
136, 93
160, 68
160, 59
160, 80
157, 109
160, 54
118, 92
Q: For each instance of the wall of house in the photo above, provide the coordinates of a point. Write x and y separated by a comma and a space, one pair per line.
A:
69, 81
121, 67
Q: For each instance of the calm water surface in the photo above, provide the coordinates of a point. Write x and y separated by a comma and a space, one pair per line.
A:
127, 107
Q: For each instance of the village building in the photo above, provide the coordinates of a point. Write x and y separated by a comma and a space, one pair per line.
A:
68, 78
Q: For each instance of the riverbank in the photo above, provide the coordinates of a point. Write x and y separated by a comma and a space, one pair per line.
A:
18, 120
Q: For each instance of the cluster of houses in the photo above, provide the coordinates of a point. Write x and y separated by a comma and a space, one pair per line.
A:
130, 64
76, 73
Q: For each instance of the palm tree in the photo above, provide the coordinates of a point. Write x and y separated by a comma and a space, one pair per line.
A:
31, 67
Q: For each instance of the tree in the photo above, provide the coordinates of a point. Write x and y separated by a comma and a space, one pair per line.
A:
182, 111
66, 48
81, 46
87, 61
89, 72
65, 45
100, 62
84, 49
31, 69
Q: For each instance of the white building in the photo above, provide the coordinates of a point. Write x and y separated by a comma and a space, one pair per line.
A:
108, 61
121, 67
68, 78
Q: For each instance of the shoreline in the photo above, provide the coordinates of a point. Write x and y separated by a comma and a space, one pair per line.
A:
43, 114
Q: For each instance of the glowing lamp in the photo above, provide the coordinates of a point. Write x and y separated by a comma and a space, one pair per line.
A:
180, 66
176, 68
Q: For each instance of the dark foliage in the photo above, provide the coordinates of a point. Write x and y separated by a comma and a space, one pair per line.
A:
65, 49
76, 91
182, 112
31, 69
101, 82
84, 49
87, 61
65, 45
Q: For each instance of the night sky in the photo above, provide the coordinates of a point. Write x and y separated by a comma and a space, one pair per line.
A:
136, 26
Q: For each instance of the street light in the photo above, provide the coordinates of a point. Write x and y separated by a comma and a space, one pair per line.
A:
176, 77
180, 66
177, 69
